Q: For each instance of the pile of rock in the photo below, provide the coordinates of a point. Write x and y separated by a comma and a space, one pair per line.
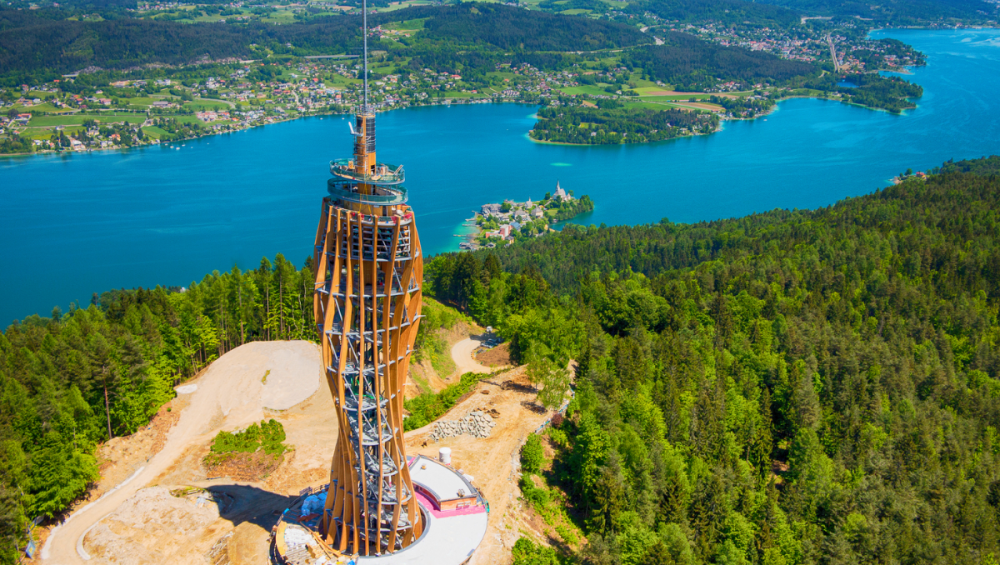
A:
476, 424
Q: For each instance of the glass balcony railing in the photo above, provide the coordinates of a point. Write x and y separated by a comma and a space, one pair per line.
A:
384, 195
384, 173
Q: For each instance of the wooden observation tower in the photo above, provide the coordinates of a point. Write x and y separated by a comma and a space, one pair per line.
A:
369, 271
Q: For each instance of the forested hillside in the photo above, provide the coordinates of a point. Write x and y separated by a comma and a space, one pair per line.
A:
985, 166
895, 11
69, 381
30, 42
521, 30
789, 387
729, 12
693, 64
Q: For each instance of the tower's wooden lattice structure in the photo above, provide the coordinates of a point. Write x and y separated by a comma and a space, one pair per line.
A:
367, 307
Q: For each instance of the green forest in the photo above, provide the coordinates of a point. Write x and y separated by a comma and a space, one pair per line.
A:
726, 12
614, 125
33, 43
787, 387
809, 386
744, 107
692, 64
885, 93
898, 12
72, 380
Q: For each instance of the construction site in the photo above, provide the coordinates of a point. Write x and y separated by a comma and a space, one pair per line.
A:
157, 502
340, 482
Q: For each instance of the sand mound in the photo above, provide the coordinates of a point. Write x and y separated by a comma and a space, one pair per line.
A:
259, 375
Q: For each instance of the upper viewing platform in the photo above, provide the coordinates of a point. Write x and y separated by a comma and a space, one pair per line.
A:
380, 196
383, 174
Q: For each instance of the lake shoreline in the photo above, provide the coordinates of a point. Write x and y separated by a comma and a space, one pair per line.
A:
141, 218
449, 103
248, 128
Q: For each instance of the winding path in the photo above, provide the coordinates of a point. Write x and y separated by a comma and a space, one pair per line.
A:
232, 386
462, 352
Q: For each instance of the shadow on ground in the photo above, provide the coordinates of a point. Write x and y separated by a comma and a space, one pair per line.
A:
250, 504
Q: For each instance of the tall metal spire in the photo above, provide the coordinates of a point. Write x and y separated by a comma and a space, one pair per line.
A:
364, 19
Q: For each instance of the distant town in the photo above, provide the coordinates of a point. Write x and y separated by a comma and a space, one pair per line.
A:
80, 112
126, 113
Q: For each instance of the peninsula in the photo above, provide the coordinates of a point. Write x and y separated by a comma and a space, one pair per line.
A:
509, 221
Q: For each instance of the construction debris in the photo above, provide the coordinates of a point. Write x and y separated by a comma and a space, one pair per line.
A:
476, 424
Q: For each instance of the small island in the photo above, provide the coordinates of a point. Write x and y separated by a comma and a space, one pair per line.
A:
609, 122
510, 221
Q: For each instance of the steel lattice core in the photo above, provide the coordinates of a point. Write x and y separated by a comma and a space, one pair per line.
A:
367, 308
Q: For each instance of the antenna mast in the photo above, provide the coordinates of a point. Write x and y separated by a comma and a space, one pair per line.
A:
364, 19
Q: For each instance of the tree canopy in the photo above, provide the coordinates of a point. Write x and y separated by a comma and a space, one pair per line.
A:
789, 387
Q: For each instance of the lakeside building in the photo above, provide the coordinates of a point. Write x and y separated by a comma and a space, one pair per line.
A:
511, 216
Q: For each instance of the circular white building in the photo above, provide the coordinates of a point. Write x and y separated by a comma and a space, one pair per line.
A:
455, 519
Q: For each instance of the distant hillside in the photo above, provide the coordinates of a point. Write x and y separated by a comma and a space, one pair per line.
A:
723, 11
901, 11
690, 63
29, 42
522, 30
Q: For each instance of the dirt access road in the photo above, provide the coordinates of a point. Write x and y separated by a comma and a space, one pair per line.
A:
134, 523
233, 393
462, 352
493, 462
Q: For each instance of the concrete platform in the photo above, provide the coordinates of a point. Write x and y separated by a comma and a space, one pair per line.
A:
450, 537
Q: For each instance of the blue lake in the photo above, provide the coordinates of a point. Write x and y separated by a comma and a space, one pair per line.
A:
78, 224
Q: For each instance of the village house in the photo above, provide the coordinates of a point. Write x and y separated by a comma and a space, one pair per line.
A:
491, 209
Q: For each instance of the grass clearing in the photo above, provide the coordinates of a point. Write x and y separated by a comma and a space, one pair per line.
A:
155, 132
676, 98
586, 89
408, 25
199, 105
652, 105
78, 119
43, 107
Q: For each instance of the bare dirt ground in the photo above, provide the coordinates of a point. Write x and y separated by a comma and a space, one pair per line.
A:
493, 462
231, 394
173, 511
425, 378
498, 356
